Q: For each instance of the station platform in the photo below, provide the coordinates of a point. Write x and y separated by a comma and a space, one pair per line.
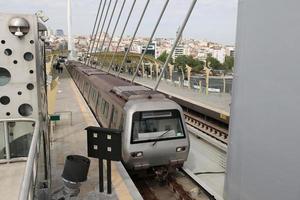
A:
69, 137
206, 164
217, 102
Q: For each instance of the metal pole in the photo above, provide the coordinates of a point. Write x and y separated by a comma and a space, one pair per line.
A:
176, 41
113, 33
108, 166
70, 42
150, 40
112, 14
136, 30
97, 29
124, 28
101, 179
6, 137
102, 28
88, 50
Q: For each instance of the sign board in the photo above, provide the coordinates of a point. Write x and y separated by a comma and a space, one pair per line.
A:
54, 117
104, 143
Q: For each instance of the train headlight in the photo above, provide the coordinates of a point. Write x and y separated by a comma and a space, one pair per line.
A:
137, 154
180, 149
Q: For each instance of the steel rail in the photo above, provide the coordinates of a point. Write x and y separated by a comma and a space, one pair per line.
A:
133, 37
104, 21
150, 40
97, 29
113, 33
88, 50
208, 128
121, 37
175, 42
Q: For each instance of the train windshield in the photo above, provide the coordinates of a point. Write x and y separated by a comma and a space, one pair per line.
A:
156, 125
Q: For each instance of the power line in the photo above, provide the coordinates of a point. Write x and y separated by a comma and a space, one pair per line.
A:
124, 28
88, 50
175, 43
112, 14
114, 30
102, 29
150, 40
97, 29
136, 30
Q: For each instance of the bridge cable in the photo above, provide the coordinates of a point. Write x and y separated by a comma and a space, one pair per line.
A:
97, 16
133, 37
107, 29
124, 28
104, 21
175, 43
150, 40
97, 29
113, 33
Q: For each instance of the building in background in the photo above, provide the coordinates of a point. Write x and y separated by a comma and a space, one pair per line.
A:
59, 32
179, 51
151, 49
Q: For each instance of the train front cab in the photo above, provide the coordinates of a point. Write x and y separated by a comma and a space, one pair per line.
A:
154, 135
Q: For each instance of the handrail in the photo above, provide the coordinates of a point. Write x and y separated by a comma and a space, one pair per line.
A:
25, 185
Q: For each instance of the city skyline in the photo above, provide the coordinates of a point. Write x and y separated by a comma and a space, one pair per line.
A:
211, 20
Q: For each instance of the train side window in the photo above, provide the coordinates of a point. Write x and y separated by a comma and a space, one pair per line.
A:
98, 104
91, 94
114, 118
121, 122
102, 106
106, 109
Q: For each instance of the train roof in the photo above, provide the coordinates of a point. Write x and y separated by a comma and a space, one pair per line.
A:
117, 86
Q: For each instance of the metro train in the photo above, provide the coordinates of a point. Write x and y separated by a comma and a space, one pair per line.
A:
154, 134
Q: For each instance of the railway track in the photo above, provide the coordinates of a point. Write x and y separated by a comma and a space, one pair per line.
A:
208, 128
177, 186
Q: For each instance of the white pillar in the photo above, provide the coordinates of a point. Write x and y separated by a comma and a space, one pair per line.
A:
70, 41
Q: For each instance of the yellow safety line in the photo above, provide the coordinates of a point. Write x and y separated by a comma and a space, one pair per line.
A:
117, 181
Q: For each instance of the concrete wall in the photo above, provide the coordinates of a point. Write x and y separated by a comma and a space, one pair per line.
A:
263, 157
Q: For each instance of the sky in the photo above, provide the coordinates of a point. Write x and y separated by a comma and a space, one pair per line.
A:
213, 20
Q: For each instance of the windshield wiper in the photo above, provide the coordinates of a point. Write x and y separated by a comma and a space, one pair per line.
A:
156, 140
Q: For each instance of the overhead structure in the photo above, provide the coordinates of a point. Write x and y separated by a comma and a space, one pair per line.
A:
96, 33
263, 154
113, 33
107, 28
121, 37
70, 39
175, 42
93, 31
150, 40
133, 37
101, 31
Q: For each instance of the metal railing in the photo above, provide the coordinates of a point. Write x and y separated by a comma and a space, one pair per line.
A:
30, 164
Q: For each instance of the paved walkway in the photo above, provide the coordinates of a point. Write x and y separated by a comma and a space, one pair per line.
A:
71, 139
219, 102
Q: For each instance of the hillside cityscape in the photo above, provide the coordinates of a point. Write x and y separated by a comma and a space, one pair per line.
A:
192, 52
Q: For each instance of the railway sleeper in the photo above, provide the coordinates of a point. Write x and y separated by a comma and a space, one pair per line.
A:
178, 189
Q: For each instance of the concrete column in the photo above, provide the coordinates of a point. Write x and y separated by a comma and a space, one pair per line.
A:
157, 70
189, 70
171, 68
151, 70
143, 69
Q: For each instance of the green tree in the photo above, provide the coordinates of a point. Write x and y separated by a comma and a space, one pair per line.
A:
163, 57
214, 63
195, 64
228, 63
